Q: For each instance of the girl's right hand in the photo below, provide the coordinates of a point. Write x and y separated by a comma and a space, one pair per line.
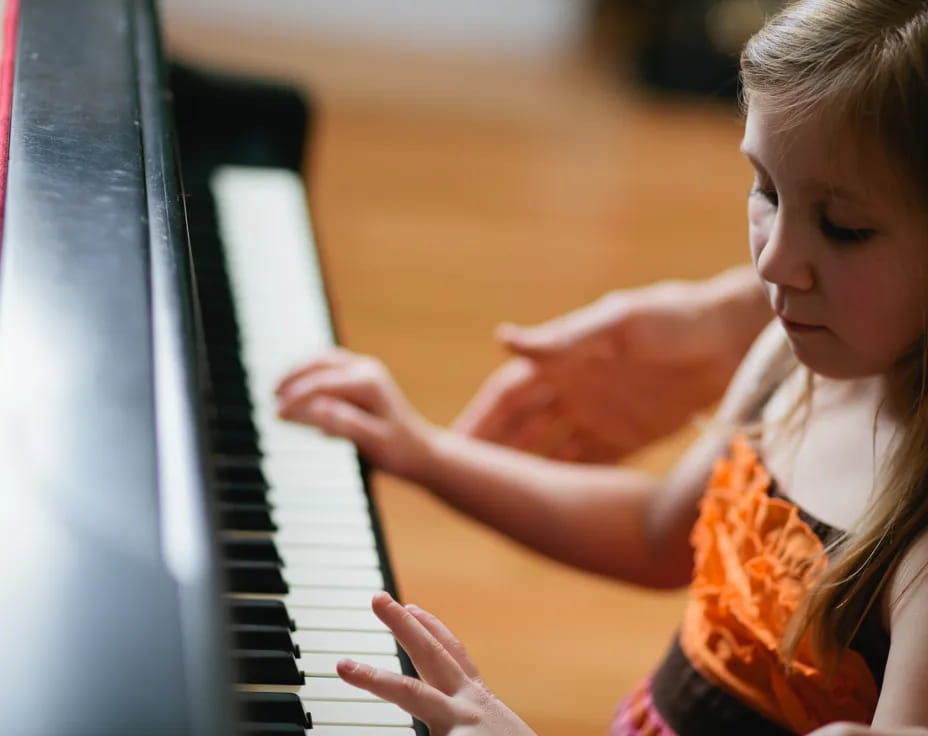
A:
451, 698
354, 396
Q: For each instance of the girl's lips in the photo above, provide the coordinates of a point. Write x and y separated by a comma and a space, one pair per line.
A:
799, 326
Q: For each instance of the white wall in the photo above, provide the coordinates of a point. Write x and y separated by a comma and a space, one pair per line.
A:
509, 27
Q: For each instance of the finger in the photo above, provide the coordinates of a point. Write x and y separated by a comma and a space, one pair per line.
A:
510, 394
494, 397
418, 698
341, 419
550, 339
448, 640
841, 729
433, 663
330, 359
355, 386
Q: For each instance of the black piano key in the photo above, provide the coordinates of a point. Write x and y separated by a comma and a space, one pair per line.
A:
227, 384
230, 412
243, 494
260, 612
226, 367
241, 473
273, 708
272, 729
224, 353
231, 434
256, 636
231, 424
252, 517
253, 550
231, 444
255, 577
266, 667
230, 377
222, 394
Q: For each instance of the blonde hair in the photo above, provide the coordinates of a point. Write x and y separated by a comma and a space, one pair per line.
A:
863, 65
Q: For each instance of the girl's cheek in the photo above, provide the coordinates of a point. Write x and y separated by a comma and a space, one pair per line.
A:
758, 237
760, 223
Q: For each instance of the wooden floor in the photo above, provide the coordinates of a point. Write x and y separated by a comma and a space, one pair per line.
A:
449, 195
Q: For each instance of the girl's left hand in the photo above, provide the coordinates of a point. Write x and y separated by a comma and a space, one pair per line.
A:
859, 729
451, 698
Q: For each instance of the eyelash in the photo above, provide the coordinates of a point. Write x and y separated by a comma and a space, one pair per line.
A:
828, 228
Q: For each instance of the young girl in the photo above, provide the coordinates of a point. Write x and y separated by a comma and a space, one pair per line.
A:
798, 520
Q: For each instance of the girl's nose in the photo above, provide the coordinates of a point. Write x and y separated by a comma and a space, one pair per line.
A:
784, 260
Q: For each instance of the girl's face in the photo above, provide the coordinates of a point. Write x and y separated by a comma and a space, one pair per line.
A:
839, 242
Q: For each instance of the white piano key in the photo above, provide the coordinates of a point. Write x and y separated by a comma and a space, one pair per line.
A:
332, 712
317, 687
304, 535
278, 433
334, 577
283, 502
329, 597
295, 460
321, 480
334, 688
294, 477
328, 557
345, 642
323, 663
330, 497
292, 470
317, 491
336, 619
322, 516
361, 731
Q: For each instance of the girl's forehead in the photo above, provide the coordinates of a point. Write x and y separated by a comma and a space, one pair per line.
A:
773, 134
818, 152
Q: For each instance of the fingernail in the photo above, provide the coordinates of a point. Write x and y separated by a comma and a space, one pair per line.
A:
413, 608
505, 331
349, 665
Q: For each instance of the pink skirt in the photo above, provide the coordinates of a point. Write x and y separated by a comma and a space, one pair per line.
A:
637, 716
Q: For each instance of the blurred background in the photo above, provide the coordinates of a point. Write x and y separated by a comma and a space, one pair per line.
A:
474, 161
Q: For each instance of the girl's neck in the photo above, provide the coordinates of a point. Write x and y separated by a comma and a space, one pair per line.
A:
827, 456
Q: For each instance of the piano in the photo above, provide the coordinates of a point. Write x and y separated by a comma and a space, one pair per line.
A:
176, 560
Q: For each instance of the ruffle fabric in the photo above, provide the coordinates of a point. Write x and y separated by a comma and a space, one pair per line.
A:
754, 560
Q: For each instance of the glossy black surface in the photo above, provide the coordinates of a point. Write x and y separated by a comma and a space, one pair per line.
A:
106, 553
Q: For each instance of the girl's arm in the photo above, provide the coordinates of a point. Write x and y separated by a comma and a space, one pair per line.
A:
612, 521
902, 709
902, 697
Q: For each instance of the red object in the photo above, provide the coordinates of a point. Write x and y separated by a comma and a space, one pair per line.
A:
10, 25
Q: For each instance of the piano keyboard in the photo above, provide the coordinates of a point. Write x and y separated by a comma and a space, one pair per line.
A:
301, 497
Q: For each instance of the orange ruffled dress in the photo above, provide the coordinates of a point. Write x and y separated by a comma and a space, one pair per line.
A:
755, 557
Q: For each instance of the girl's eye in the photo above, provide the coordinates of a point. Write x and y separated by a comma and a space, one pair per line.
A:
844, 234
768, 194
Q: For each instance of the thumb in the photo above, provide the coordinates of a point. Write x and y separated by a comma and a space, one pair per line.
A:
556, 336
537, 342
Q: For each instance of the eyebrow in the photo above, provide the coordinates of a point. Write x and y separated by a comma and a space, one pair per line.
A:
836, 190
